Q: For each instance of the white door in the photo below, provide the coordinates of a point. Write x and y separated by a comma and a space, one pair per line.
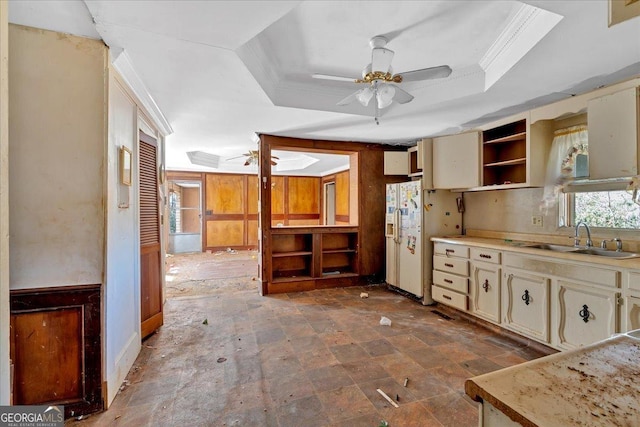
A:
526, 301
391, 234
410, 246
585, 314
485, 291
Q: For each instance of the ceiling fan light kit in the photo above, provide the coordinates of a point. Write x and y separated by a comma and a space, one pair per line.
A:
382, 83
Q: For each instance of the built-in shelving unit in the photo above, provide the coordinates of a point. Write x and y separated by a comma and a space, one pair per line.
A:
304, 258
415, 162
504, 154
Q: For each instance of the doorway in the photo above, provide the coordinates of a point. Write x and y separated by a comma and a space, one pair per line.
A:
185, 217
330, 203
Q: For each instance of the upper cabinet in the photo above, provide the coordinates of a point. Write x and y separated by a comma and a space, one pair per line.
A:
456, 161
613, 134
514, 153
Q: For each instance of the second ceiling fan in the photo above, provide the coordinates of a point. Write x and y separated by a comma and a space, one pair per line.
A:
381, 83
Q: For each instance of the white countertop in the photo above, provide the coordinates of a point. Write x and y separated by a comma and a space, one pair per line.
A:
520, 247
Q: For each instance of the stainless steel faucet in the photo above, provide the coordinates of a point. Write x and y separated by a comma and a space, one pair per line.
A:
576, 238
618, 241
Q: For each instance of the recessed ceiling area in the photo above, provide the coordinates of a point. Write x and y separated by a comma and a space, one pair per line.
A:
221, 71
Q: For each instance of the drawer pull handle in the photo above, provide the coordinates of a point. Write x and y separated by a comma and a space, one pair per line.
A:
449, 251
485, 285
446, 297
448, 265
584, 313
525, 297
449, 281
485, 256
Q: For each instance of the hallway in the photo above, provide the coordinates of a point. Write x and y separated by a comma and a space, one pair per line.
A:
228, 357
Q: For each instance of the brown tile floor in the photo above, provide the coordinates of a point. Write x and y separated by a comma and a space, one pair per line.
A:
304, 359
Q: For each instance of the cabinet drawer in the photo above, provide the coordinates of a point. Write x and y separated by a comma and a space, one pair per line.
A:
450, 281
450, 250
485, 255
633, 280
448, 297
451, 265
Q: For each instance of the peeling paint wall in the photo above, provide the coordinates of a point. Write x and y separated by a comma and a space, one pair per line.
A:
508, 210
56, 152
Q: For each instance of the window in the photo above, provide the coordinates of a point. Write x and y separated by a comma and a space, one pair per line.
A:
607, 209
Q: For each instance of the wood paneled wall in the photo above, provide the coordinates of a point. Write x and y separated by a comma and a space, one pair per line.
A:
366, 197
230, 212
56, 347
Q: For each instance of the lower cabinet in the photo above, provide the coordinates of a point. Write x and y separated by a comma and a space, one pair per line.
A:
632, 304
525, 297
485, 291
585, 314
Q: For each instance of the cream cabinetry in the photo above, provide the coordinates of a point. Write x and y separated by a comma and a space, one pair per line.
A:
526, 301
632, 304
613, 134
585, 314
456, 161
485, 283
563, 303
631, 289
451, 275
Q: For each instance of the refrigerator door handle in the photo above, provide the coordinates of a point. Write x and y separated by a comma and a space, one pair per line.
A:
396, 231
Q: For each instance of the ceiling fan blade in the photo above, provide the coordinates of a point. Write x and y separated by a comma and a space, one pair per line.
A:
426, 73
402, 96
335, 78
236, 157
381, 59
349, 99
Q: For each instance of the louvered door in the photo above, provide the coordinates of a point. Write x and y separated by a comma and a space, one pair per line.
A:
150, 256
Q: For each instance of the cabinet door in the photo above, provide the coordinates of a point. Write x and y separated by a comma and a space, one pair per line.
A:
485, 291
456, 161
585, 314
526, 299
613, 135
632, 305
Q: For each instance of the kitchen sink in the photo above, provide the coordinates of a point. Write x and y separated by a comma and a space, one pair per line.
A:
606, 253
555, 248
582, 250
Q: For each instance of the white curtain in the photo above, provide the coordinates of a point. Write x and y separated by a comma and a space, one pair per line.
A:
567, 144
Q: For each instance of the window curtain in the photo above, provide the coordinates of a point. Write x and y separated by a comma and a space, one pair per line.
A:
567, 144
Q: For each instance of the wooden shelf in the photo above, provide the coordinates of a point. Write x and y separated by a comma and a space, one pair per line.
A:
504, 154
509, 138
288, 254
289, 279
339, 251
519, 161
330, 275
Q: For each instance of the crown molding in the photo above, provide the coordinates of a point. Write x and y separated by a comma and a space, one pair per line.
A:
129, 75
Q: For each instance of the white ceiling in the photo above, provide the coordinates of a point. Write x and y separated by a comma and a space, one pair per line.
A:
222, 71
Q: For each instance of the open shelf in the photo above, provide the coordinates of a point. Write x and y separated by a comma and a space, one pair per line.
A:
305, 257
520, 161
504, 154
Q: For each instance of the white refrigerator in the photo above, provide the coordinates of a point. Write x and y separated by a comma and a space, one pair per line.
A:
413, 216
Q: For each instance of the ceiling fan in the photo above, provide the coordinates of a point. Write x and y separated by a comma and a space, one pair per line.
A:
380, 80
252, 158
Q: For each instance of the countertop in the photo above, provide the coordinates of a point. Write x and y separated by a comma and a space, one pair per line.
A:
596, 385
520, 247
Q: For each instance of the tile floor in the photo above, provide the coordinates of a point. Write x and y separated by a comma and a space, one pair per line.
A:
306, 359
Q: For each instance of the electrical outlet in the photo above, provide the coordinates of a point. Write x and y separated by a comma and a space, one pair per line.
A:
536, 220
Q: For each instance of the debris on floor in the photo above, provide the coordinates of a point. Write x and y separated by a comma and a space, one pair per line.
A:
383, 423
385, 321
231, 251
205, 322
406, 381
221, 359
364, 295
383, 394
